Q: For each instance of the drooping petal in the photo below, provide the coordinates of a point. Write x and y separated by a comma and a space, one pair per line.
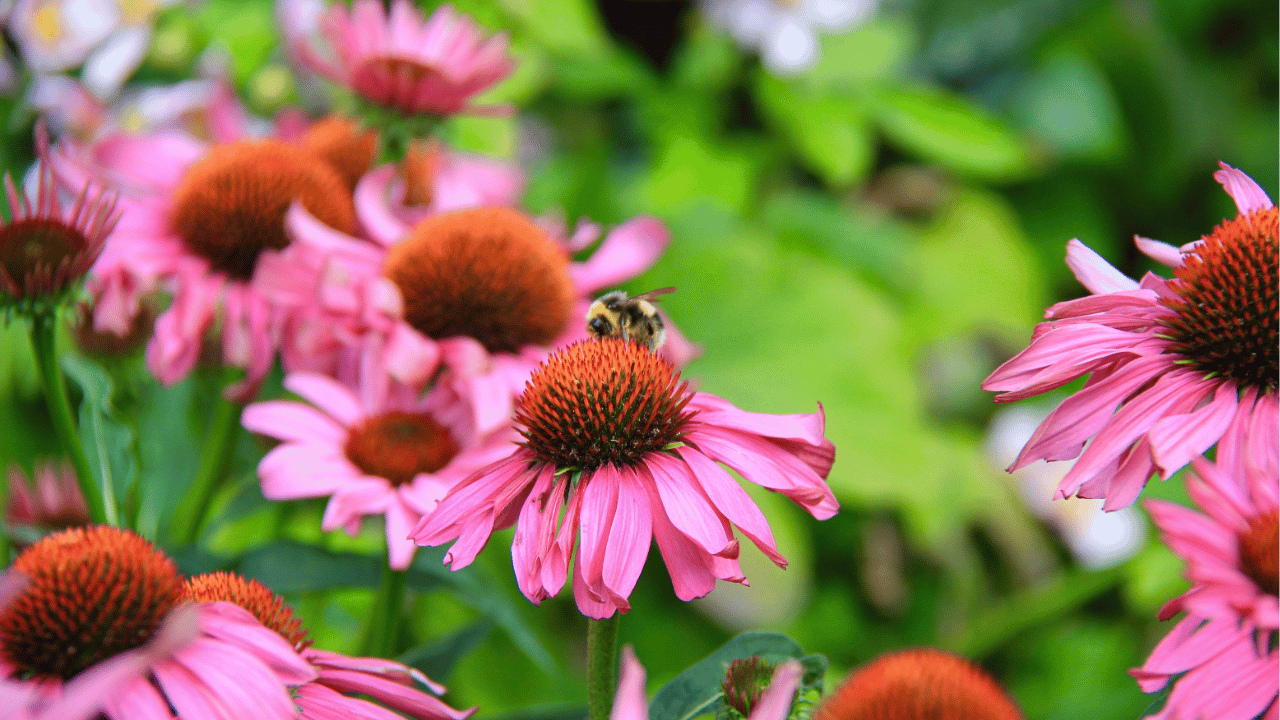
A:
1248, 195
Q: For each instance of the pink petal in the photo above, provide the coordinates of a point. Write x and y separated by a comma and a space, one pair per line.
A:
685, 505
375, 214
138, 700
626, 252
534, 529
733, 502
1094, 272
160, 158
1175, 439
599, 500
1063, 433
1062, 354
1249, 196
776, 701
328, 395
587, 600
1160, 252
291, 472
292, 422
630, 536
629, 702
1170, 391
713, 410
408, 700
400, 549
687, 564
1130, 477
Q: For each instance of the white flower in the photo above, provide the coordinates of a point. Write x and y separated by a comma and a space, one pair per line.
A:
786, 31
109, 37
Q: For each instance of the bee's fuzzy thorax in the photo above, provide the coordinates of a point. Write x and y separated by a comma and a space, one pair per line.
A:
488, 273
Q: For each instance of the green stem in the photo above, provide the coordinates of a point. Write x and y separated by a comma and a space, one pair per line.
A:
384, 619
215, 462
44, 339
1030, 607
602, 666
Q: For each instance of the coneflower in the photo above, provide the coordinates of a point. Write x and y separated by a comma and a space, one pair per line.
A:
617, 453
97, 601
1172, 363
386, 683
45, 249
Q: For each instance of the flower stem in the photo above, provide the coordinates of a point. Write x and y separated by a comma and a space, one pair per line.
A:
44, 339
602, 666
215, 462
384, 617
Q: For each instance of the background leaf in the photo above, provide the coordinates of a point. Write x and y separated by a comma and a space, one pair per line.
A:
108, 443
696, 691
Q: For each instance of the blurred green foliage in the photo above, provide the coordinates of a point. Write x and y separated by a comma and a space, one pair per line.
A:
875, 235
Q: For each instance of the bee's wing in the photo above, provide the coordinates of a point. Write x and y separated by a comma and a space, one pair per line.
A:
653, 295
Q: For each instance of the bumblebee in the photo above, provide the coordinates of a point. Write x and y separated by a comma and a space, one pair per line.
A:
615, 314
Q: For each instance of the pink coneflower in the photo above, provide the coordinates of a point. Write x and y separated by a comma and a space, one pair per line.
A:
394, 458
619, 451
96, 612
198, 220
482, 294
53, 503
1225, 644
432, 179
916, 684
387, 682
405, 62
772, 701
46, 249
1172, 362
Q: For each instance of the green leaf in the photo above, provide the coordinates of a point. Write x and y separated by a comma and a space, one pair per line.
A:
108, 442
1068, 102
246, 28
697, 690
483, 595
437, 659
869, 245
167, 450
706, 61
559, 711
879, 49
690, 170
292, 567
976, 237
830, 133
570, 26
945, 128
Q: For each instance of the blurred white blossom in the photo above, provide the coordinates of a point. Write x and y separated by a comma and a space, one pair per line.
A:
786, 31
1095, 538
109, 37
